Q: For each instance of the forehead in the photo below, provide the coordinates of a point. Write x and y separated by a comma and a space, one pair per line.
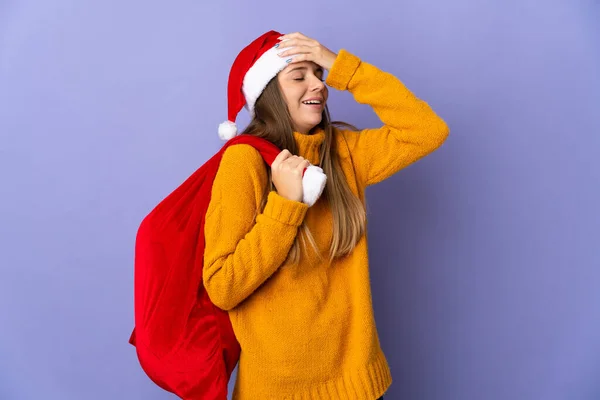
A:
303, 66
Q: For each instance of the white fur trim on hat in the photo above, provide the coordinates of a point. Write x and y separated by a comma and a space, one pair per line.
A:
227, 130
313, 184
260, 74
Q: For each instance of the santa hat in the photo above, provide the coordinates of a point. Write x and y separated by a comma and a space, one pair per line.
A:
250, 73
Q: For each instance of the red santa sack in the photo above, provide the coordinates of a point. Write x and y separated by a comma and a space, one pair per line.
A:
184, 343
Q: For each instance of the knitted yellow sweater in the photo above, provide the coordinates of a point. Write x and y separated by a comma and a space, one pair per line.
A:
307, 331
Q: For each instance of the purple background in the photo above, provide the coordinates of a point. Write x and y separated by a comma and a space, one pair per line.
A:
485, 255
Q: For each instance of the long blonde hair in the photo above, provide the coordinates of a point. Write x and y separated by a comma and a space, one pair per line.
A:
272, 121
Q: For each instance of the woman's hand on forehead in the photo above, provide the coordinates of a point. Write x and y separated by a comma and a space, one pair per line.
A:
302, 48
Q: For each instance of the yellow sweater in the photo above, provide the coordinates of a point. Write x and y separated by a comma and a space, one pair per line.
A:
307, 331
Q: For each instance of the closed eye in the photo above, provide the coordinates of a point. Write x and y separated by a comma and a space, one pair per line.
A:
301, 79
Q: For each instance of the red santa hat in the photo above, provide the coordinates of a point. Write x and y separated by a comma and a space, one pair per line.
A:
250, 73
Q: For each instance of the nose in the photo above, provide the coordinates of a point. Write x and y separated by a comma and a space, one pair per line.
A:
316, 85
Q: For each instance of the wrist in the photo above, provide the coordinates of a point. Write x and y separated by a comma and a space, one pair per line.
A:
329, 60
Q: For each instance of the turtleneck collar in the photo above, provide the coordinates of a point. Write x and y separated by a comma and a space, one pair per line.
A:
310, 144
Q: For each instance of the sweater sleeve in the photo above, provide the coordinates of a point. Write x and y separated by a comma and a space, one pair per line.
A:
242, 252
410, 131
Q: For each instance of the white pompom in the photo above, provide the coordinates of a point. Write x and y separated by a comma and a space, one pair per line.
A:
313, 184
227, 130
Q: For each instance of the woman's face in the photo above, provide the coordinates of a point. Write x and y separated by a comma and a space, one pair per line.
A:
305, 94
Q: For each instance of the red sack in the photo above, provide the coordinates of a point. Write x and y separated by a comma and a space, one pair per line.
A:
184, 343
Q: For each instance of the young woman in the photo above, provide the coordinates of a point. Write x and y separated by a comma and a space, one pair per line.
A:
293, 277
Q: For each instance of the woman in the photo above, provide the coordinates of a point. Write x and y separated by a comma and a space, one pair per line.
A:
294, 278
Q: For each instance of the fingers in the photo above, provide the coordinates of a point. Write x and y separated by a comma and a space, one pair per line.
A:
297, 50
293, 35
283, 155
294, 162
303, 165
285, 159
301, 57
298, 42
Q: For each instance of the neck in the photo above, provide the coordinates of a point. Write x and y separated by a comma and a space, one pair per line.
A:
309, 144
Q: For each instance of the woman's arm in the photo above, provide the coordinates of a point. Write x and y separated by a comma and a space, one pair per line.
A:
240, 252
410, 131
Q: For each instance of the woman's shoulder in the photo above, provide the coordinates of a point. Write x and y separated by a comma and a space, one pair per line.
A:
241, 178
242, 165
242, 154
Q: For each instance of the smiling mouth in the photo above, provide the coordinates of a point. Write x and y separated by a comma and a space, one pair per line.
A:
313, 103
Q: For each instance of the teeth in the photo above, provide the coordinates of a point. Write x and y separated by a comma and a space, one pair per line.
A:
312, 102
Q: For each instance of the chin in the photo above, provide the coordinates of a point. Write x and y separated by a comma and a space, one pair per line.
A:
314, 123
310, 123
